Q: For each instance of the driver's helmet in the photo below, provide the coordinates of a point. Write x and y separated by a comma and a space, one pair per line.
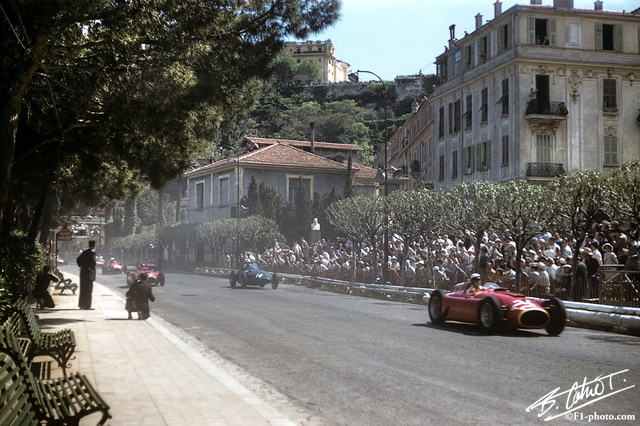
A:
113, 259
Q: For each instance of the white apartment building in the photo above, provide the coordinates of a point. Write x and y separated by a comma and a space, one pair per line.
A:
333, 70
537, 91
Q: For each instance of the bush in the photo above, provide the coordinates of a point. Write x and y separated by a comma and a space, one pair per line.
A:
21, 259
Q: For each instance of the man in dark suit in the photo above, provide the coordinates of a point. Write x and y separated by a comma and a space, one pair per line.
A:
87, 263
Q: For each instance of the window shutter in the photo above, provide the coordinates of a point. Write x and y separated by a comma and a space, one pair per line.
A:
617, 38
499, 39
531, 30
487, 154
598, 36
509, 42
471, 56
552, 32
610, 151
487, 54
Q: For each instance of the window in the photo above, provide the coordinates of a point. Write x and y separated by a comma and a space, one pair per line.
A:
469, 56
483, 154
544, 148
293, 184
223, 190
454, 165
541, 31
483, 49
610, 99
484, 115
441, 123
456, 116
611, 151
609, 37
505, 150
200, 195
441, 171
504, 37
468, 113
504, 99
450, 118
468, 157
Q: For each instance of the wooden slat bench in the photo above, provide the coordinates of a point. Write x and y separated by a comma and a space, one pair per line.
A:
63, 401
58, 345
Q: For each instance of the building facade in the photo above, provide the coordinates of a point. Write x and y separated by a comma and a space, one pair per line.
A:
535, 92
332, 69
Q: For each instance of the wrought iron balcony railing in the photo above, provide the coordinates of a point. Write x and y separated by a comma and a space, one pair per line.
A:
545, 169
546, 108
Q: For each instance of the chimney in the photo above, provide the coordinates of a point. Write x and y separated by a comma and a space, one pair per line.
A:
312, 124
497, 7
597, 5
563, 4
536, 2
452, 35
478, 21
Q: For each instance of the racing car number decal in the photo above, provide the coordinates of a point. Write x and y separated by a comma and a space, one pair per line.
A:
523, 305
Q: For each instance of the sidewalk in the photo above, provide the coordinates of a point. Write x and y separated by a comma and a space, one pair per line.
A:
147, 374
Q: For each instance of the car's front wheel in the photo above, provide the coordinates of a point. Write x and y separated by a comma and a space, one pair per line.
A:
435, 308
489, 314
558, 314
232, 279
274, 281
161, 279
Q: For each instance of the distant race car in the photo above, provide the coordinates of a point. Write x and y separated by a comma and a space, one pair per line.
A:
251, 274
99, 261
112, 267
156, 277
492, 307
61, 261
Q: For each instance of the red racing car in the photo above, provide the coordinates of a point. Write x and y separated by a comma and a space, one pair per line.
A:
492, 307
156, 277
113, 267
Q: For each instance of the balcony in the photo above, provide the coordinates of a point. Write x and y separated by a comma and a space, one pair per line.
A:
545, 116
547, 170
546, 108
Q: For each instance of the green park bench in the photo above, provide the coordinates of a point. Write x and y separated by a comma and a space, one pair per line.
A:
58, 345
25, 400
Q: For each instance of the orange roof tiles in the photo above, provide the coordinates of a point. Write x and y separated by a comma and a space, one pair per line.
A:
324, 145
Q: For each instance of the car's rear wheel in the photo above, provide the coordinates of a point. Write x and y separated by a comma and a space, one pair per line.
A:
243, 281
274, 281
489, 315
558, 314
232, 279
435, 308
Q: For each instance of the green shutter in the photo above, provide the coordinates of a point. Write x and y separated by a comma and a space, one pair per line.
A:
610, 151
598, 36
617, 38
552, 32
531, 30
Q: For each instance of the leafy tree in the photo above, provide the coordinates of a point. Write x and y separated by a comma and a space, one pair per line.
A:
516, 203
471, 206
309, 69
128, 91
284, 69
626, 195
258, 234
361, 219
413, 214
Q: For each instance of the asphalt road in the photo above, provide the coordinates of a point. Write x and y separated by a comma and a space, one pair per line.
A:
350, 360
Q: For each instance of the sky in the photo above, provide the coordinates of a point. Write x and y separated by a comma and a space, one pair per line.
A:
403, 37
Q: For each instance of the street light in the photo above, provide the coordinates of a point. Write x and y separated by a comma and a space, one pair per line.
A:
385, 267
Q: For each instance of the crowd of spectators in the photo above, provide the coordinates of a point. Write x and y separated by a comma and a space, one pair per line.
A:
441, 261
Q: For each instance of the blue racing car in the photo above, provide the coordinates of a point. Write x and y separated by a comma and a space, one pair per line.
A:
251, 274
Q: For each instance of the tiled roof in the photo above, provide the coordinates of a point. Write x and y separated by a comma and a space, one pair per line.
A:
283, 155
305, 144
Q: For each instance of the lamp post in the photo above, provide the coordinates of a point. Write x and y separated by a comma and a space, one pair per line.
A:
385, 267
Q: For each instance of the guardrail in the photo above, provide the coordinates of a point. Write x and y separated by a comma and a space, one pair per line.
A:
618, 319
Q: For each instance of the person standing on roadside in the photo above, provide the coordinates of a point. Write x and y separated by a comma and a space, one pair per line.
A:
87, 263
